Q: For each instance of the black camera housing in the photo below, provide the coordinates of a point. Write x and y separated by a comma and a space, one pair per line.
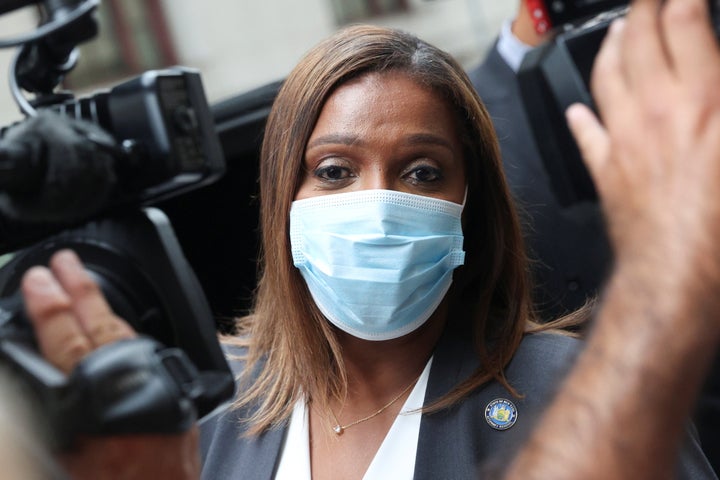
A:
166, 146
159, 132
139, 264
563, 12
557, 74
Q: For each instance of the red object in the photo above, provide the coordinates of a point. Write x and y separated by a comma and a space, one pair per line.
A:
539, 15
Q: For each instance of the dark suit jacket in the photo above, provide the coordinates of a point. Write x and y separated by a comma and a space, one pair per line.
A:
569, 245
456, 443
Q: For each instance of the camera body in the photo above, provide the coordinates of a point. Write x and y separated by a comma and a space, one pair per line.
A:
145, 140
163, 144
163, 123
557, 74
565, 12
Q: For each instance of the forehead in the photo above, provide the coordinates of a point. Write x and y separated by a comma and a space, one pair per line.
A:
391, 103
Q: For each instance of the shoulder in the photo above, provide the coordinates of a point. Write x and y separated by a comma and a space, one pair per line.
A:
541, 362
228, 421
537, 369
227, 451
456, 442
235, 354
548, 348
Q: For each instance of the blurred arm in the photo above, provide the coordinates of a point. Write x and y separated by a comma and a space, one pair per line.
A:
656, 163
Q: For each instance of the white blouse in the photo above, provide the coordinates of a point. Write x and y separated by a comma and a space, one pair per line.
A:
394, 459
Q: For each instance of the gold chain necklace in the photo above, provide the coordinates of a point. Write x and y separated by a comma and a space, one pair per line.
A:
339, 429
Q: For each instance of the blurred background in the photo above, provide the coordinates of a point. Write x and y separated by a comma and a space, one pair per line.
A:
239, 45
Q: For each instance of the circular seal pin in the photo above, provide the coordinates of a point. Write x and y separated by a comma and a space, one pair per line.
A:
501, 414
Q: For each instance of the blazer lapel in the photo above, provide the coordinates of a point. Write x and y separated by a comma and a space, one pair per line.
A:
228, 453
440, 451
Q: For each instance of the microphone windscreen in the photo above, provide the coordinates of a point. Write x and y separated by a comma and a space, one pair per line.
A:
79, 171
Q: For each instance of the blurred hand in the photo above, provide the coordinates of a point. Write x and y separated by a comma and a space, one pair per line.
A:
71, 318
655, 158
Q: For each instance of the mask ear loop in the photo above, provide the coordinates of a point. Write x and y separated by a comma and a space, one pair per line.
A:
462, 215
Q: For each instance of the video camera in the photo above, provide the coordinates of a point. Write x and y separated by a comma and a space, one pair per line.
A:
84, 174
557, 74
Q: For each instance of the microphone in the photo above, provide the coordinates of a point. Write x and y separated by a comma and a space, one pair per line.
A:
55, 170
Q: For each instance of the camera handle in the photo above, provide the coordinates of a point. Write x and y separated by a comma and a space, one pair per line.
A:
131, 386
138, 263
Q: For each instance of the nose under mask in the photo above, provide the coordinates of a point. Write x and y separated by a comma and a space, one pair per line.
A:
377, 262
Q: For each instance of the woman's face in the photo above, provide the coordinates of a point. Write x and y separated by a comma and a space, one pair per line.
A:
384, 131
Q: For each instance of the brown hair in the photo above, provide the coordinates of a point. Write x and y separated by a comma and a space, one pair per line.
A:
290, 346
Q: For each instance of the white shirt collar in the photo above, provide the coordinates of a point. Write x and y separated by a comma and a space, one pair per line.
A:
394, 459
511, 49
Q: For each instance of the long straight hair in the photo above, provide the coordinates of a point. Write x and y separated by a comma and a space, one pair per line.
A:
290, 348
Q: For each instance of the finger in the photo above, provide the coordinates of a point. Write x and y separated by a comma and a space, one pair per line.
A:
60, 337
96, 317
690, 38
608, 82
643, 52
591, 137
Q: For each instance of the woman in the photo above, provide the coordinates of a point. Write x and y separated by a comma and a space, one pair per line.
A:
345, 338
391, 331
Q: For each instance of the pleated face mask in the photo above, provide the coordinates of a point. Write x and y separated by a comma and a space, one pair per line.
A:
377, 262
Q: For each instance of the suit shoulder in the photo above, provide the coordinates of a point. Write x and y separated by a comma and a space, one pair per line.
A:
550, 345
542, 361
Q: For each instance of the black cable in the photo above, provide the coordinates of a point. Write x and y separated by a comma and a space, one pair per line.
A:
51, 27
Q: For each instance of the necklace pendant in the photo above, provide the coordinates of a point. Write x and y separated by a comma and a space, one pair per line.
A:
338, 429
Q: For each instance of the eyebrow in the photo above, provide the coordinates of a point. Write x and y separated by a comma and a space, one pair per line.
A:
347, 139
334, 139
427, 139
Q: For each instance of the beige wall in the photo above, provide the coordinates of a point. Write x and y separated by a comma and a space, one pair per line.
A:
241, 44
11, 24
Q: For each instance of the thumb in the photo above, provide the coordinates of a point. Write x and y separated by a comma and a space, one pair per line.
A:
591, 137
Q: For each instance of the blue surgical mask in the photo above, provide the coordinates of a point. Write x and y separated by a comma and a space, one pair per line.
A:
377, 262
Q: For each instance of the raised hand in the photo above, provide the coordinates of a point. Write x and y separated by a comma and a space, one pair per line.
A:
654, 155
71, 318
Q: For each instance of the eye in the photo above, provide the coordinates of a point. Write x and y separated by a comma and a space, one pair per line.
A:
423, 174
333, 173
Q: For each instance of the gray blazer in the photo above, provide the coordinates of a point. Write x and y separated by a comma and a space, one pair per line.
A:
457, 443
